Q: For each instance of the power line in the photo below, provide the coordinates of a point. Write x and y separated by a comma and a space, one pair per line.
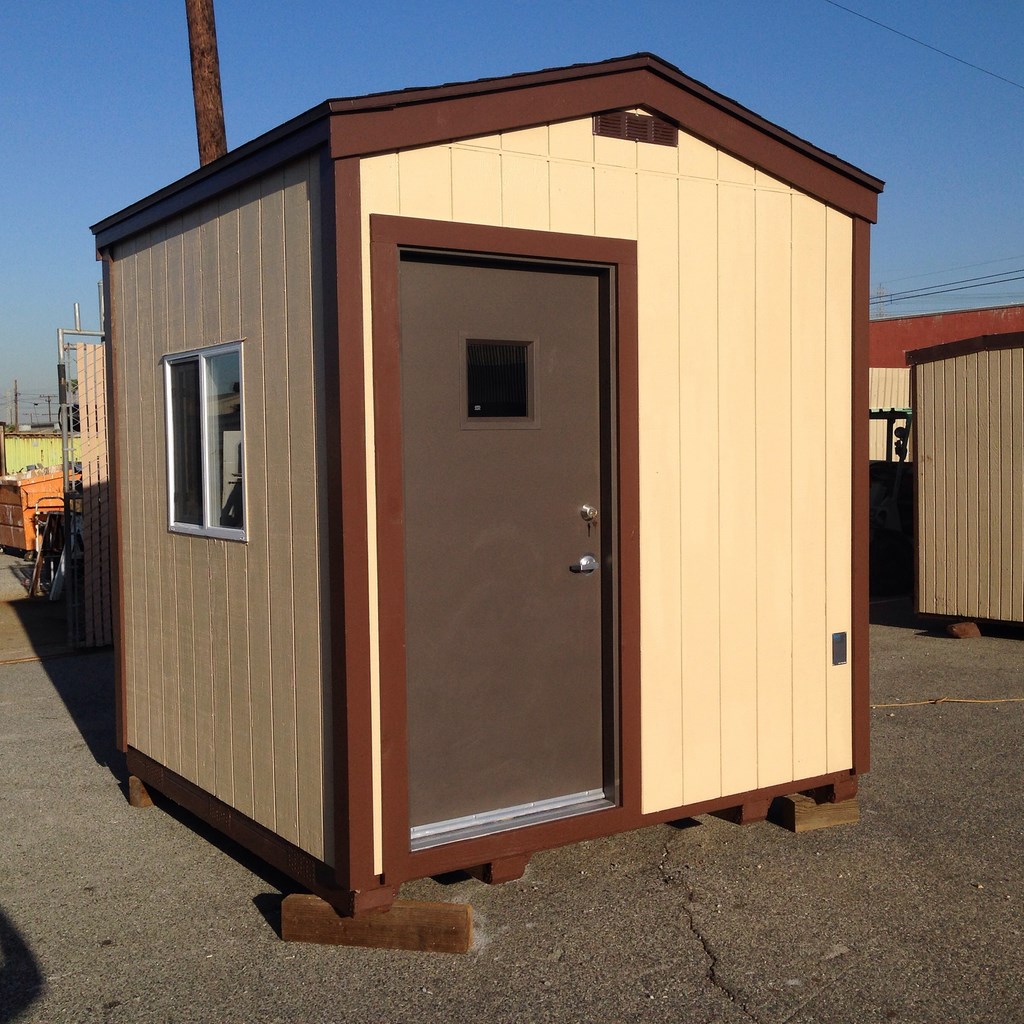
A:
992, 278
927, 46
949, 270
966, 284
941, 304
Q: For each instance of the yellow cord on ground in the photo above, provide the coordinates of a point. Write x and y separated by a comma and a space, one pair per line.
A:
951, 700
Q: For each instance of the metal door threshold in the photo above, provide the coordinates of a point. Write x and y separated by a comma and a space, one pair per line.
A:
486, 823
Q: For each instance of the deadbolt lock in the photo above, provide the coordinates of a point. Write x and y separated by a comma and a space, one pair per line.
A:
588, 513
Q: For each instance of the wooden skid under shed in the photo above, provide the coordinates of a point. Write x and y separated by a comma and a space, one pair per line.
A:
801, 813
427, 927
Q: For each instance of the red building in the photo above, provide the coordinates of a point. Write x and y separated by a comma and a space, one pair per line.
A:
888, 339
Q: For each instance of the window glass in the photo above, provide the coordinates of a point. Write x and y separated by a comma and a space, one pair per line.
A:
497, 379
187, 471
224, 438
205, 442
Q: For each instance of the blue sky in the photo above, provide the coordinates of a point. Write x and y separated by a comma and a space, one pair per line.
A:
97, 112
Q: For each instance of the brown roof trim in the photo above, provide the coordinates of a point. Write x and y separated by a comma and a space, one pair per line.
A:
578, 73
964, 347
386, 122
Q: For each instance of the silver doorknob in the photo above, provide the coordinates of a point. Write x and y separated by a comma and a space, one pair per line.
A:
586, 565
588, 513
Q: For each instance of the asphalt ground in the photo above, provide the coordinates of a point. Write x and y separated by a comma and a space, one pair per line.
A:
108, 913
28, 627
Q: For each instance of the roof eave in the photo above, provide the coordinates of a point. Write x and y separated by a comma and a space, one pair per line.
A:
387, 122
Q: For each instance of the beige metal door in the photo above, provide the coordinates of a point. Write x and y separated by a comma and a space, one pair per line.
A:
507, 462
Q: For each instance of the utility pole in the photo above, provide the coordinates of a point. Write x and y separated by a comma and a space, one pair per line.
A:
16, 420
202, 44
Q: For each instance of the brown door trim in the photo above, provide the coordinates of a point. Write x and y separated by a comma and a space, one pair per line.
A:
348, 779
387, 234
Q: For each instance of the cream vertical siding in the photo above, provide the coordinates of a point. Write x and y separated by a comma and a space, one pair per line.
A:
970, 485
745, 431
888, 388
223, 639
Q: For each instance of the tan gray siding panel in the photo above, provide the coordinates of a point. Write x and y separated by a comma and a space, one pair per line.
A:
279, 471
236, 555
223, 690
257, 414
973, 499
303, 441
170, 329
129, 464
1017, 477
969, 485
959, 403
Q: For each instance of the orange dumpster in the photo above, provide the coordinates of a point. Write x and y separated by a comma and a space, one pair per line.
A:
22, 497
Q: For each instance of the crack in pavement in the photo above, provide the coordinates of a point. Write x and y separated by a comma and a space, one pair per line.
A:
668, 878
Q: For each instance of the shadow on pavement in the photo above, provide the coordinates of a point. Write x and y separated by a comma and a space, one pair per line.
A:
28, 626
36, 629
269, 905
85, 683
899, 612
214, 837
21, 982
894, 611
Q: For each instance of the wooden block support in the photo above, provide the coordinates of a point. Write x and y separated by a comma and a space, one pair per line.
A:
138, 795
842, 789
963, 630
745, 814
425, 927
508, 869
801, 813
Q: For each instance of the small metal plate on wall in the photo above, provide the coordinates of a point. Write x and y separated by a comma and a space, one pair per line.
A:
838, 648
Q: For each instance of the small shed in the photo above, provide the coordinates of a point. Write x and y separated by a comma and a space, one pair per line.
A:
969, 444
491, 474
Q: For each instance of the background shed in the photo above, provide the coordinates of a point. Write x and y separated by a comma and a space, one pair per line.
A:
969, 445
265, 670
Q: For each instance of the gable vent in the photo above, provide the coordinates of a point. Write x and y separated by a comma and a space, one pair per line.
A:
622, 124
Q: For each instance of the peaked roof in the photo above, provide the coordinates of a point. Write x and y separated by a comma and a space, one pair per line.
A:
386, 122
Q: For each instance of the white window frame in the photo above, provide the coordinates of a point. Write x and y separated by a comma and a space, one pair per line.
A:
208, 528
